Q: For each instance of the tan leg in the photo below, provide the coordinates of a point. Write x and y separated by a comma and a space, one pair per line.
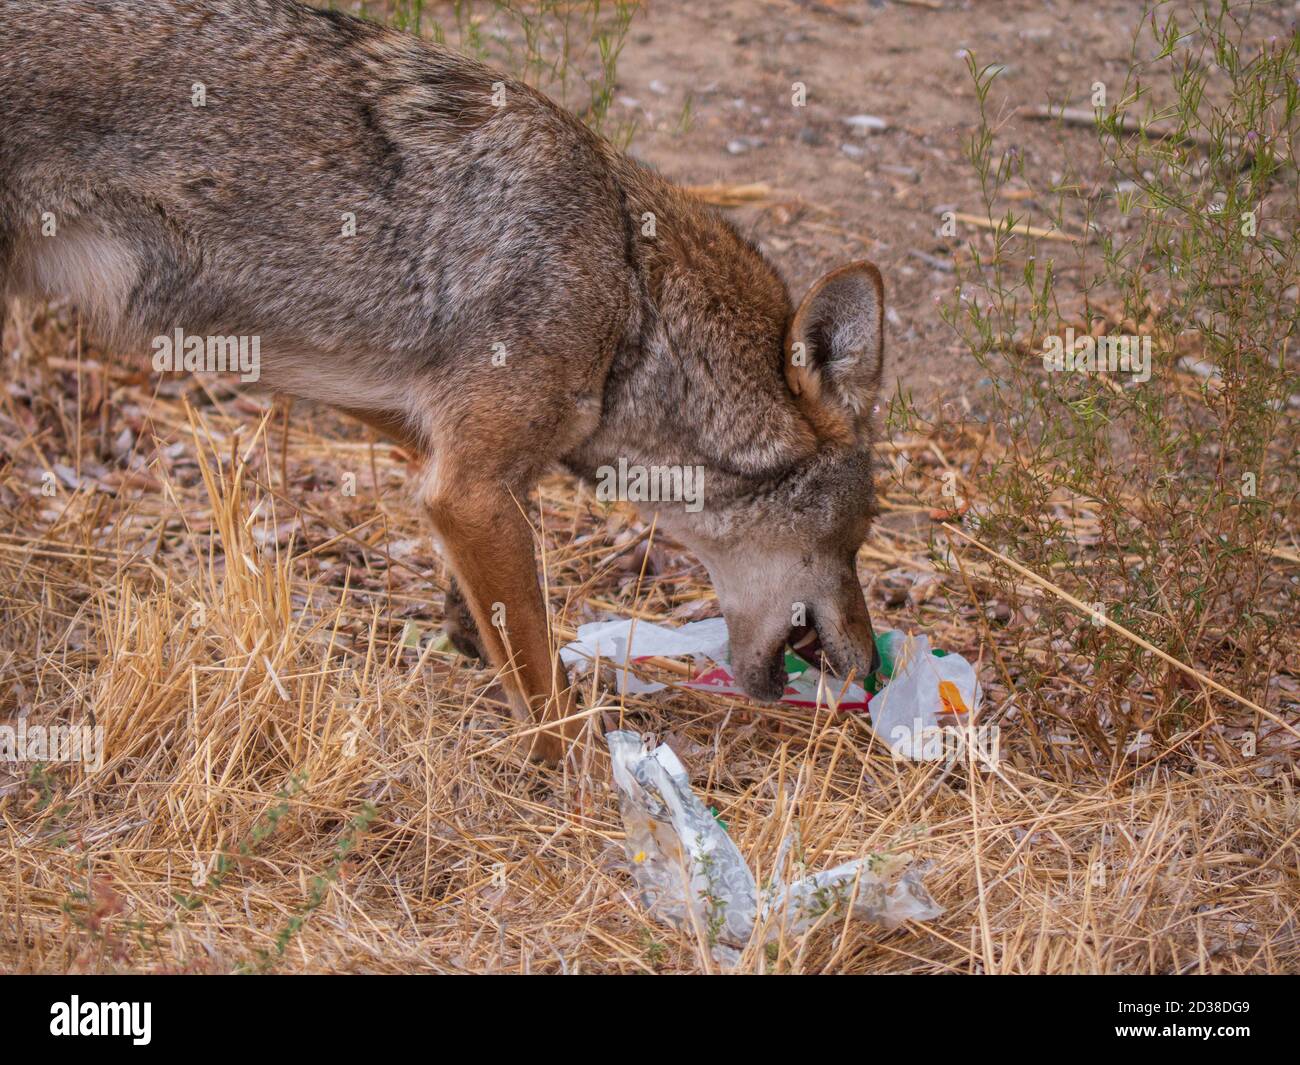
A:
489, 546
459, 625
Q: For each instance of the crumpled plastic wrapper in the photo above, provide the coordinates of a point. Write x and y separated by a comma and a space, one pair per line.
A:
923, 690
926, 690
692, 876
611, 642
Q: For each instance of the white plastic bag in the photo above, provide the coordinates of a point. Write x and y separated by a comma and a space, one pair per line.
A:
924, 692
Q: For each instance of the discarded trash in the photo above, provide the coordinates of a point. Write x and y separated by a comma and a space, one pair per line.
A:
925, 690
916, 688
610, 641
692, 876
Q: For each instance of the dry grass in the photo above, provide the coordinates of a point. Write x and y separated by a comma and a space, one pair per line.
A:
299, 777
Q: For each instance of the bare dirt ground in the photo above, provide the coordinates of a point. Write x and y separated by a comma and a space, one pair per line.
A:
844, 192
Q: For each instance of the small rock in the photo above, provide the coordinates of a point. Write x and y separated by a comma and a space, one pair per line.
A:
997, 612
123, 443
67, 475
901, 171
893, 585
925, 588
865, 125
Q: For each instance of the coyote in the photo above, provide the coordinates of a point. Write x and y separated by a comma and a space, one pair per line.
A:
457, 261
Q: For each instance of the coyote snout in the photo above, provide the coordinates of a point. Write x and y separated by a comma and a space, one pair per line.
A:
451, 257
774, 599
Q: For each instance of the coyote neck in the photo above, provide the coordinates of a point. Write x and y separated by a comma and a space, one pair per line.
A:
700, 380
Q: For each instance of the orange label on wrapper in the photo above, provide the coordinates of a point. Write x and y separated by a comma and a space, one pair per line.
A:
951, 698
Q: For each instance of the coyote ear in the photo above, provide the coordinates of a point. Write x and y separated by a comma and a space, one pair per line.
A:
835, 349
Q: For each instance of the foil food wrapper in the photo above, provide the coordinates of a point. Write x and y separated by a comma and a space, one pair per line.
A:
692, 876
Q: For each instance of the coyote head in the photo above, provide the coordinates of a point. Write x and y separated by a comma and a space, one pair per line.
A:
774, 405
781, 545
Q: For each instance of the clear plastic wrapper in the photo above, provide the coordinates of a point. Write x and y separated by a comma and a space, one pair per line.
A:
917, 690
926, 690
692, 876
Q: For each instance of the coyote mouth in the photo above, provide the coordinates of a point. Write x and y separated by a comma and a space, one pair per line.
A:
806, 642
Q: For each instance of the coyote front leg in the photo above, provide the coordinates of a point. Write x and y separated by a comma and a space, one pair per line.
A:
459, 625
489, 545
